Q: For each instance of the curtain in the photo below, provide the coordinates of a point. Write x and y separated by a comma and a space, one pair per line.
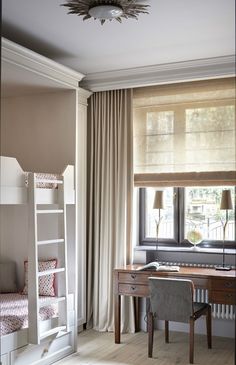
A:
184, 134
109, 202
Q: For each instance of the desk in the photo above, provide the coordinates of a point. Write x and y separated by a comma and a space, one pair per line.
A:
129, 281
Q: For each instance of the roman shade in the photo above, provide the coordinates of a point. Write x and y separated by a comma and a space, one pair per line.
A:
184, 134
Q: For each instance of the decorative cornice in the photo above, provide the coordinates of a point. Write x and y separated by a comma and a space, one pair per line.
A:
32, 61
83, 96
206, 68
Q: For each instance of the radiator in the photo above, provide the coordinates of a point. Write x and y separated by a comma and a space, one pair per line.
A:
220, 311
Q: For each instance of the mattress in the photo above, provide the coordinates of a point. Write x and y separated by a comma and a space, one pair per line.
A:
14, 312
44, 185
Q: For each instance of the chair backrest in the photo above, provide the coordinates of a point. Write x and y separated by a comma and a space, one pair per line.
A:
171, 299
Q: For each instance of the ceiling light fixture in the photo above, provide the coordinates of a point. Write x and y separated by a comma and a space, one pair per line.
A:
106, 9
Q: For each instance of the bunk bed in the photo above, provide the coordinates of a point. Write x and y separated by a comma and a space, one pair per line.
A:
43, 124
14, 184
31, 326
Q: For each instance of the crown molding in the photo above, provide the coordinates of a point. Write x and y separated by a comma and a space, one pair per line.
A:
22, 57
83, 96
161, 74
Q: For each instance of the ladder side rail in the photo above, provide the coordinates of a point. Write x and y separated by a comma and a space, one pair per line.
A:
33, 299
62, 283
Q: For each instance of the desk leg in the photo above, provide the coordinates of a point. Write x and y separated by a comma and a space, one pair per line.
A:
136, 313
148, 306
117, 318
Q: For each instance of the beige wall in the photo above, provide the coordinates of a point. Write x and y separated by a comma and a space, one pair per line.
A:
39, 130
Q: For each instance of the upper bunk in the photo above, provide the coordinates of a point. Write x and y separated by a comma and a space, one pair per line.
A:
14, 184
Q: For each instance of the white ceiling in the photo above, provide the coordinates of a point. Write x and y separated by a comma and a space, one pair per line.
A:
174, 31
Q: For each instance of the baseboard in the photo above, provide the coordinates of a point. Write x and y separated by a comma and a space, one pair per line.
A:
220, 327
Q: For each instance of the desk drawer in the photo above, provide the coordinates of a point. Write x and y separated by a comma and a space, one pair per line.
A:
139, 278
223, 284
222, 297
199, 283
134, 290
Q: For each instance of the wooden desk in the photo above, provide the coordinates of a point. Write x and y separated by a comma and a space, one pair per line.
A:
128, 281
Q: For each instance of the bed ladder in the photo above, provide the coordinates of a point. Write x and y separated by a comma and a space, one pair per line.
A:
35, 336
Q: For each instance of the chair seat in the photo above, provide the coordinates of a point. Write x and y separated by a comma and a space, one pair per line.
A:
199, 307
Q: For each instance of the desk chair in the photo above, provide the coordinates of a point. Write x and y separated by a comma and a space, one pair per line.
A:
172, 300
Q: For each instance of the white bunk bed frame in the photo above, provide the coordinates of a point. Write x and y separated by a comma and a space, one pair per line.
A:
15, 191
53, 337
15, 348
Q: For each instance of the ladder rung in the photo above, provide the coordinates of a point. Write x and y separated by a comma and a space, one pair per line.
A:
51, 332
49, 242
49, 181
50, 301
51, 271
49, 211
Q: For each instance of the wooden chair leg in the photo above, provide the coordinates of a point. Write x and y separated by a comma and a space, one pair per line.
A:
208, 326
150, 333
191, 340
167, 331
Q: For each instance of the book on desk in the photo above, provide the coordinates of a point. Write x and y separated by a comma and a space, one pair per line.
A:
155, 266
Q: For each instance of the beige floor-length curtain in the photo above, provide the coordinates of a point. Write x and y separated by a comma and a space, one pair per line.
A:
110, 181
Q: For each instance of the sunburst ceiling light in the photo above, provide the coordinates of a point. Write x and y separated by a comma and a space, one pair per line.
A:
106, 9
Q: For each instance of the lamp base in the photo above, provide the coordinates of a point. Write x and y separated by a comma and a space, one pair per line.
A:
223, 267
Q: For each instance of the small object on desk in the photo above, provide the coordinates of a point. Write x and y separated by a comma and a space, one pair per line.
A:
155, 266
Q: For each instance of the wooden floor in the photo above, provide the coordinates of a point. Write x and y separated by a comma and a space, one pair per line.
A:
99, 348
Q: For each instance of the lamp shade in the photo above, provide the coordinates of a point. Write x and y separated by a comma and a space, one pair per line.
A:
105, 11
226, 201
158, 200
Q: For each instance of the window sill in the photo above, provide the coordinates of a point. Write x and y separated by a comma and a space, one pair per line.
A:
228, 251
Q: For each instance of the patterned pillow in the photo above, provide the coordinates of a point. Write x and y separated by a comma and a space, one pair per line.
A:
46, 282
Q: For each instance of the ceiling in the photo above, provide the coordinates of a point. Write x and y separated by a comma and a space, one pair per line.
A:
174, 31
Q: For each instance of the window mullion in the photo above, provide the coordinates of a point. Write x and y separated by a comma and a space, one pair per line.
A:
181, 211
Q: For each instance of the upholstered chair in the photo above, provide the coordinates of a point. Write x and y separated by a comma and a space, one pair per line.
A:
172, 300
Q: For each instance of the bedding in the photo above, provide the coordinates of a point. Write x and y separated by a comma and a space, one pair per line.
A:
44, 185
14, 312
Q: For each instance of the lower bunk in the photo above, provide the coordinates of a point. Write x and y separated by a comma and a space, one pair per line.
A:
14, 345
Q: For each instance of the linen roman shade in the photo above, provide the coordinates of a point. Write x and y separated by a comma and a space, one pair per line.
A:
184, 134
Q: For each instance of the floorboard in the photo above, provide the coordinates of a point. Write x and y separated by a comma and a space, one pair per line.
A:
99, 348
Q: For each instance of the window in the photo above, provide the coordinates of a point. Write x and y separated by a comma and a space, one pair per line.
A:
167, 226
184, 142
190, 209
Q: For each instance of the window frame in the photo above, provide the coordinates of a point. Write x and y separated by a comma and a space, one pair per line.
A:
179, 219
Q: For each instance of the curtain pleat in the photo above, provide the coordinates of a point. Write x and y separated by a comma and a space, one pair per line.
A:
109, 202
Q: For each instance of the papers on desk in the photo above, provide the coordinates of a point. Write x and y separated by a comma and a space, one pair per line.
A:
155, 266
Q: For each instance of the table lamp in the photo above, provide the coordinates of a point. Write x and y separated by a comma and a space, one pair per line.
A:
225, 204
158, 204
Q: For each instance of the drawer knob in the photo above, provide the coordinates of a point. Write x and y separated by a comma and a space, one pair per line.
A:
133, 276
133, 288
229, 295
229, 284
